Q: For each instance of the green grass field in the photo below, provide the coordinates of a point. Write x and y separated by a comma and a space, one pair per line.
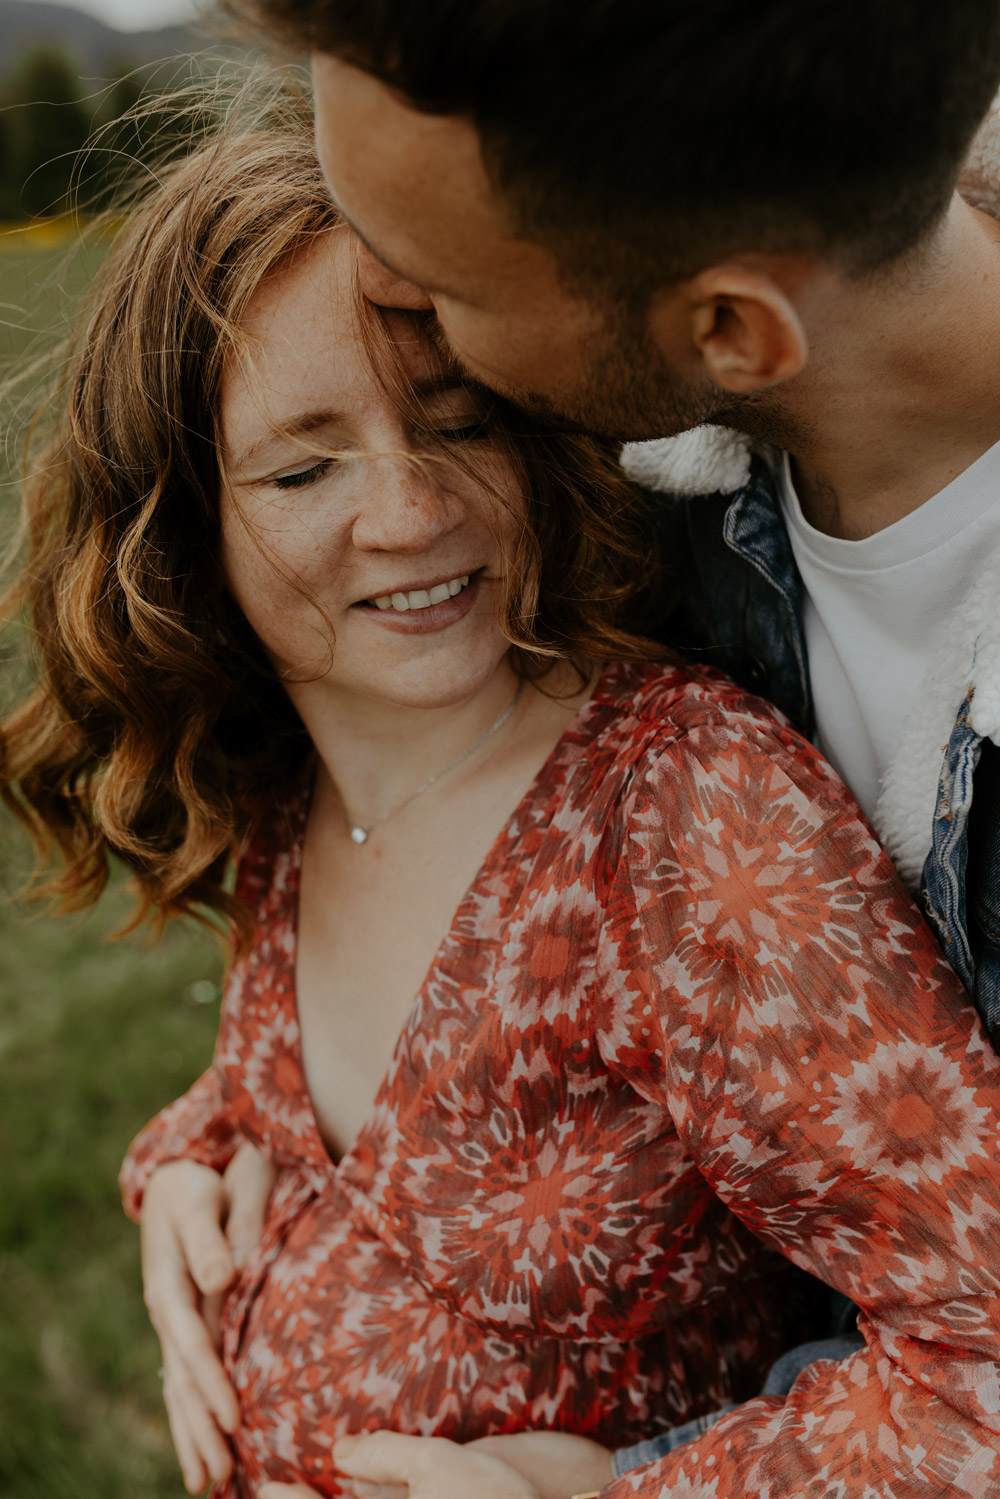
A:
94, 1038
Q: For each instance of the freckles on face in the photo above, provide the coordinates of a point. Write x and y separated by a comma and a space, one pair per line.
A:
334, 499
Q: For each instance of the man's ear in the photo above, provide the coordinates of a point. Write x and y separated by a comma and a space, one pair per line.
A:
740, 322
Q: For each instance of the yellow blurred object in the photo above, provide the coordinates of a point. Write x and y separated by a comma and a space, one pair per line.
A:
39, 234
53, 233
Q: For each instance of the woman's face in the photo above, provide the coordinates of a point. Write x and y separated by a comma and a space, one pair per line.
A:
404, 559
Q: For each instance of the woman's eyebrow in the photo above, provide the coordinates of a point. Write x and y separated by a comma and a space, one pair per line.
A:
299, 425
305, 422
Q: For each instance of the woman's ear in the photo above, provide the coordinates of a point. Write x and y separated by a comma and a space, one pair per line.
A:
742, 325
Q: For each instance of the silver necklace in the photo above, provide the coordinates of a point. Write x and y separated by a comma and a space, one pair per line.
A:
359, 834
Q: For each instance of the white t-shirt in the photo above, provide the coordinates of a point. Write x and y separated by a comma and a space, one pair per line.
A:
875, 610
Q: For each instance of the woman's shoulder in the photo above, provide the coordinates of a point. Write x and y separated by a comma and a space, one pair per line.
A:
658, 720
660, 702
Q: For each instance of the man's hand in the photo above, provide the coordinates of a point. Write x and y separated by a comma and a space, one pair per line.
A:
197, 1229
557, 1463
416, 1468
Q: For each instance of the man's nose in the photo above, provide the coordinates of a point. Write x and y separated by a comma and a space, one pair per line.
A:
385, 288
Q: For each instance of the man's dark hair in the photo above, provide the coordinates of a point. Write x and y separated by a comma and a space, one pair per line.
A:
643, 139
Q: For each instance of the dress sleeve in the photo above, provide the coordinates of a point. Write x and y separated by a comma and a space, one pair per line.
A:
196, 1127
773, 985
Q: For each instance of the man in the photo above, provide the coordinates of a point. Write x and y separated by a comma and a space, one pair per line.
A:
628, 225
642, 217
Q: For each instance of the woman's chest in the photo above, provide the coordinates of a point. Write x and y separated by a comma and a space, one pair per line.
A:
532, 1188
370, 921
525, 1184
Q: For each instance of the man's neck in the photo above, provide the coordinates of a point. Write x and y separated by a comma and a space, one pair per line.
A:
902, 390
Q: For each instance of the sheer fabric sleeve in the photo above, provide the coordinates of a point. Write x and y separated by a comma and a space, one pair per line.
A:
770, 981
196, 1127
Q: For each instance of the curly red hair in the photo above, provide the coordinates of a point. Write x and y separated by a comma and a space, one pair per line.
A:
156, 717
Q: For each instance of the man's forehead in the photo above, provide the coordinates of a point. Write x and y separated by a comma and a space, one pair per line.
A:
413, 185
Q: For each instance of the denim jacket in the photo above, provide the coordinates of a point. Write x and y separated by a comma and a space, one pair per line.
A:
740, 607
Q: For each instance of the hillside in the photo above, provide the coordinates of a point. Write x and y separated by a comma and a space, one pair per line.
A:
94, 47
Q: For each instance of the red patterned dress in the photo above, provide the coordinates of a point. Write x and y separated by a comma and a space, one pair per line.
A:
684, 1017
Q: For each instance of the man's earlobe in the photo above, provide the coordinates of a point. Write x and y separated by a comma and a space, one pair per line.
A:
745, 329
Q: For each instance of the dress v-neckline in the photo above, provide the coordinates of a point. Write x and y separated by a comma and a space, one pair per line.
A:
535, 800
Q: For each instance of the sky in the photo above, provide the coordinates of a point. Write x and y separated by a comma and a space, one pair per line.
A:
136, 15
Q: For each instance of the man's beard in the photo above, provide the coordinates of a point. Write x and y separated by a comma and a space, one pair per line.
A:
627, 394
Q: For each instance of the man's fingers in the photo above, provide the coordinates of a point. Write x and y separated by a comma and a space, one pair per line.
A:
362, 1490
389, 1456
248, 1182
430, 1467
287, 1491
556, 1462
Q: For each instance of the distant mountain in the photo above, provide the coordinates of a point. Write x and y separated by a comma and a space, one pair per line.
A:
96, 48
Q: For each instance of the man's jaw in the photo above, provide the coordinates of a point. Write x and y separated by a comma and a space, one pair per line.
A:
657, 410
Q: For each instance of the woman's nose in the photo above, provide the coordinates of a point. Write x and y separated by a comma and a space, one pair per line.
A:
407, 507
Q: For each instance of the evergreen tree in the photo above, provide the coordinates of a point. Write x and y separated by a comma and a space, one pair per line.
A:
45, 123
137, 128
61, 151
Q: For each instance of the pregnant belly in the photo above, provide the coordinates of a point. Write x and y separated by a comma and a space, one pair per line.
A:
339, 1336
332, 1332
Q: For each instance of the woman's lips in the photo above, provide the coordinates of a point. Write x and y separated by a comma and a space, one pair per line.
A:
424, 621
421, 597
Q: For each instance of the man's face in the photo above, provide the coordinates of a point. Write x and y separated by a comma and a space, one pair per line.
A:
415, 190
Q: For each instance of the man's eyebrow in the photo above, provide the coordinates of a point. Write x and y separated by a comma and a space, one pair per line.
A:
299, 425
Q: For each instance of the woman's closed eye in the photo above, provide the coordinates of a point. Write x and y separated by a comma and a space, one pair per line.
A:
461, 431
300, 478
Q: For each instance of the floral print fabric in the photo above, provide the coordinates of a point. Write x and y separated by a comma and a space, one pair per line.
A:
686, 1028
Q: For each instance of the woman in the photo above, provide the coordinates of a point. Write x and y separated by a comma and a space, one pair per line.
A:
298, 589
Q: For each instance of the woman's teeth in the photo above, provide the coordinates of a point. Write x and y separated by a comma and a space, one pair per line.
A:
421, 598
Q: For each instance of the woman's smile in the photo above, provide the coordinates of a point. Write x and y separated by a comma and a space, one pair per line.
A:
428, 607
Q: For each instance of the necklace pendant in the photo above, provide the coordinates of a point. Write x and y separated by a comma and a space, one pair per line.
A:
359, 834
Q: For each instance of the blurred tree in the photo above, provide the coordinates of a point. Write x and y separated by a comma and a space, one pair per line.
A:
137, 127
61, 151
45, 123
